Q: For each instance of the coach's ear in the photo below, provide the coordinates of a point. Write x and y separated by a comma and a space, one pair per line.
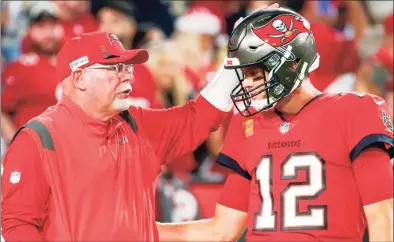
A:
77, 79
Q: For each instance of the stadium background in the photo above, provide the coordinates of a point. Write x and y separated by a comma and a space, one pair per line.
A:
186, 41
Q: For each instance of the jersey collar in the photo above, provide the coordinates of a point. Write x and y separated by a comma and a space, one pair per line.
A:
288, 118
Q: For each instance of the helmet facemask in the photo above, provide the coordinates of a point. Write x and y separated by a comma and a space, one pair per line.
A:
282, 80
243, 98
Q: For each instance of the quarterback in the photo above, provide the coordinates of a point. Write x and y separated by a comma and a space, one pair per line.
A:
308, 166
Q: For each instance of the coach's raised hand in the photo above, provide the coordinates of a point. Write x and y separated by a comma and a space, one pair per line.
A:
275, 5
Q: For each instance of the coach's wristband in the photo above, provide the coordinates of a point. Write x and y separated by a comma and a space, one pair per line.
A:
218, 91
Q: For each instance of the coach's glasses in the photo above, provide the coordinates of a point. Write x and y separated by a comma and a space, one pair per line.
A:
116, 68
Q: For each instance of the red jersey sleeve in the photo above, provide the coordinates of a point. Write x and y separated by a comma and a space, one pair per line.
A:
25, 191
368, 124
176, 131
373, 172
12, 86
235, 193
231, 155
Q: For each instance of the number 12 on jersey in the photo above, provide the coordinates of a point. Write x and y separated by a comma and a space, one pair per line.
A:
291, 218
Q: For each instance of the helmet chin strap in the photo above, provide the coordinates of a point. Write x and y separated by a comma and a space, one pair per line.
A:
257, 104
260, 104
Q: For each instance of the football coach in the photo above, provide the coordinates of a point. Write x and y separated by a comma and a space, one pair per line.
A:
85, 169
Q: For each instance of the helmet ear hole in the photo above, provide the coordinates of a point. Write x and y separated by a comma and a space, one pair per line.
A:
294, 64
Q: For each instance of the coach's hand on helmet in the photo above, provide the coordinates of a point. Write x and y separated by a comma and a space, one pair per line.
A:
275, 5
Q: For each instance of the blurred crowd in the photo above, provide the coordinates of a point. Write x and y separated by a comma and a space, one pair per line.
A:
187, 42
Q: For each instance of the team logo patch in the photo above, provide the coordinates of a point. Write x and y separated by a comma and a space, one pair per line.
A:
112, 38
122, 141
284, 128
282, 30
387, 122
248, 126
15, 177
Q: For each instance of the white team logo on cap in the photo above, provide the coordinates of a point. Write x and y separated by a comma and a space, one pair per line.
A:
112, 38
79, 62
15, 177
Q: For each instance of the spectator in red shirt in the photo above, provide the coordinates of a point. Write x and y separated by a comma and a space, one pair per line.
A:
89, 163
27, 86
75, 19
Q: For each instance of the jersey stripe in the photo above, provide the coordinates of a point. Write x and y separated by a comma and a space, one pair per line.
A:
229, 162
42, 131
370, 140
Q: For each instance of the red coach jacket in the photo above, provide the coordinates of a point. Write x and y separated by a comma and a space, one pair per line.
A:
70, 177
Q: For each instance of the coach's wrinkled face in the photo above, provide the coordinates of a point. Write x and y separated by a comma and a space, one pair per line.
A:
107, 87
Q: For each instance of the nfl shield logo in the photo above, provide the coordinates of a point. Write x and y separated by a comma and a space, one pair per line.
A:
15, 177
284, 128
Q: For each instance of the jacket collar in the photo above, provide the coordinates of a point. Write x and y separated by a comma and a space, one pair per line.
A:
97, 126
94, 125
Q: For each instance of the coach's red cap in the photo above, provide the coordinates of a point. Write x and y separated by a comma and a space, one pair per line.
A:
92, 48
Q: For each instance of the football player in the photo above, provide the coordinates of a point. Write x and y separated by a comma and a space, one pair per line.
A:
308, 166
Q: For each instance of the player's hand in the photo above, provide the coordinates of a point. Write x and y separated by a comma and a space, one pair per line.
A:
275, 5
